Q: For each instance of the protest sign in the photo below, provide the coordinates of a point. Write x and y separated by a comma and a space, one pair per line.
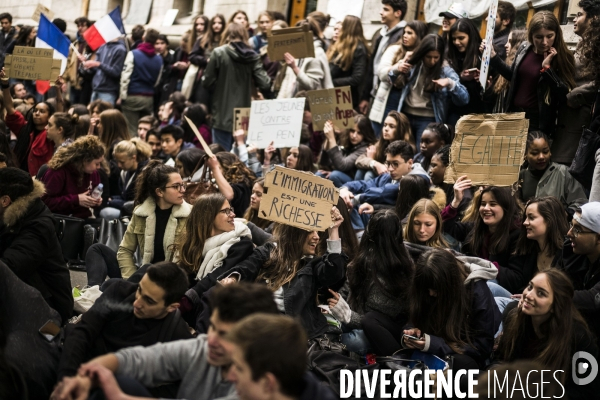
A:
241, 119
32, 63
338, 9
199, 136
278, 121
331, 104
297, 41
488, 148
170, 16
484, 69
298, 198
41, 9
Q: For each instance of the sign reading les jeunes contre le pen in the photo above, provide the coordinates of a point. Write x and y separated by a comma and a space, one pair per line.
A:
278, 121
488, 148
331, 104
298, 198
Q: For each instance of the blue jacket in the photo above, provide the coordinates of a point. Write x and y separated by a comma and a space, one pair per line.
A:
380, 190
107, 76
440, 99
145, 74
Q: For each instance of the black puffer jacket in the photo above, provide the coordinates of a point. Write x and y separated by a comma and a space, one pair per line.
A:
30, 248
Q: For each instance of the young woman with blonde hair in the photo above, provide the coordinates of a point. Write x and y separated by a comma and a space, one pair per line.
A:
425, 225
349, 56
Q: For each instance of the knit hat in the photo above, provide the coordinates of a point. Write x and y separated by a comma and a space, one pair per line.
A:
589, 216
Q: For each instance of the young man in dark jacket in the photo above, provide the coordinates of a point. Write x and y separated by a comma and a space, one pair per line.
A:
28, 242
128, 314
106, 69
7, 34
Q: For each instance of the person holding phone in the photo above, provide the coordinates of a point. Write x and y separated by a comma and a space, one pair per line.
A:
452, 311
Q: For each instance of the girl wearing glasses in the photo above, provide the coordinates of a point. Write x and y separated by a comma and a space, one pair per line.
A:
157, 222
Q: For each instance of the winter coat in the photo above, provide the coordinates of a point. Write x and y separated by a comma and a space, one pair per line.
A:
141, 72
230, 74
557, 182
549, 83
40, 150
355, 75
515, 275
385, 84
341, 159
141, 231
63, 187
5, 42
107, 76
440, 99
300, 293
29, 246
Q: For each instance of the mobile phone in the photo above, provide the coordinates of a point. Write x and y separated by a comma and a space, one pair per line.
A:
49, 330
412, 337
431, 361
472, 70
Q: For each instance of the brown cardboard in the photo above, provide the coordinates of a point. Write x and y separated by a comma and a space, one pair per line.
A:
488, 148
26, 67
55, 73
298, 198
241, 119
33, 52
41, 9
297, 41
331, 104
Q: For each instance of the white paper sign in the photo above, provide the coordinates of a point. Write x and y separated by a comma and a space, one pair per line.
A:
278, 121
170, 16
338, 9
489, 42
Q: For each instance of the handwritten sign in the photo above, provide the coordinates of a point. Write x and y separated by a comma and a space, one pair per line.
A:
297, 41
489, 42
331, 104
488, 148
298, 198
241, 119
278, 121
41, 9
32, 63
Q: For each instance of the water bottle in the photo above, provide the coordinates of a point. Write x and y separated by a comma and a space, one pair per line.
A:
97, 192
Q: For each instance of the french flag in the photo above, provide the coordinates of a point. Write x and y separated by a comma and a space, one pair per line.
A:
50, 37
105, 29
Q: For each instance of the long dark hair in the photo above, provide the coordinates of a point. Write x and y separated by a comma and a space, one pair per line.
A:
562, 329
498, 241
154, 176
197, 115
555, 218
447, 314
305, 159
431, 42
346, 232
403, 132
23, 139
470, 58
364, 127
382, 261
412, 189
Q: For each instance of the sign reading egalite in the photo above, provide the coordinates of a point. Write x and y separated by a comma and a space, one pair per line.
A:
32, 63
297, 41
331, 104
488, 148
298, 198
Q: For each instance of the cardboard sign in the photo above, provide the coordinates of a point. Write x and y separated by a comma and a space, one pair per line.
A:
278, 121
298, 198
331, 104
297, 41
199, 136
41, 9
484, 69
241, 119
32, 63
488, 148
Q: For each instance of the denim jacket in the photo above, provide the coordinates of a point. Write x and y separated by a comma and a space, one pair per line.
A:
440, 99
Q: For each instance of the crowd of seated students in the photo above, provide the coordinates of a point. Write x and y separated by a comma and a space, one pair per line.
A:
205, 298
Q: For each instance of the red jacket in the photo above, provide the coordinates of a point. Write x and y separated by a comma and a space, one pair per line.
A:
63, 188
40, 149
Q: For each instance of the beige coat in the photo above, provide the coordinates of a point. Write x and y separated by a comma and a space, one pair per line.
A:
140, 233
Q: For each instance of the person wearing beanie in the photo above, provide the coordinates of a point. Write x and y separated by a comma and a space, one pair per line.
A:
29, 245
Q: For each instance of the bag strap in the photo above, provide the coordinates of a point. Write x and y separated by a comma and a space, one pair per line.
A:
207, 175
199, 164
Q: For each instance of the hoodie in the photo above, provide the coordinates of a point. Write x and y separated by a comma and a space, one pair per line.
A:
141, 72
231, 73
111, 57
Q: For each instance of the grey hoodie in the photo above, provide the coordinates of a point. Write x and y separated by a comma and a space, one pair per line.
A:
478, 268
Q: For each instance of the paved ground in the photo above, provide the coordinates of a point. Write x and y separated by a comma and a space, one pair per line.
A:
78, 278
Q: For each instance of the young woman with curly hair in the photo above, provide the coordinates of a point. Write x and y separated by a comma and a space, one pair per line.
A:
71, 177
234, 180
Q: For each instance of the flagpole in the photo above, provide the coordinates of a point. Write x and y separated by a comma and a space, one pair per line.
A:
75, 50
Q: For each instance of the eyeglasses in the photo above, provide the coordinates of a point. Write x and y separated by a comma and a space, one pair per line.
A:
180, 187
393, 164
577, 231
227, 211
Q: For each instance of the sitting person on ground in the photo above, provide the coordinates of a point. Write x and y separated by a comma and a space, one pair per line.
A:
424, 226
158, 220
131, 157
542, 177
144, 125
546, 327
294, 271
452, 311
437, 169
378, 282
384, 188
171, 140
433, 138
255, 222
61, 128
201, 364
28, 242
71, 177
127, 314
187, 163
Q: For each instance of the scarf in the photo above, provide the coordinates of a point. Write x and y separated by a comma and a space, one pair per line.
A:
216, 248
